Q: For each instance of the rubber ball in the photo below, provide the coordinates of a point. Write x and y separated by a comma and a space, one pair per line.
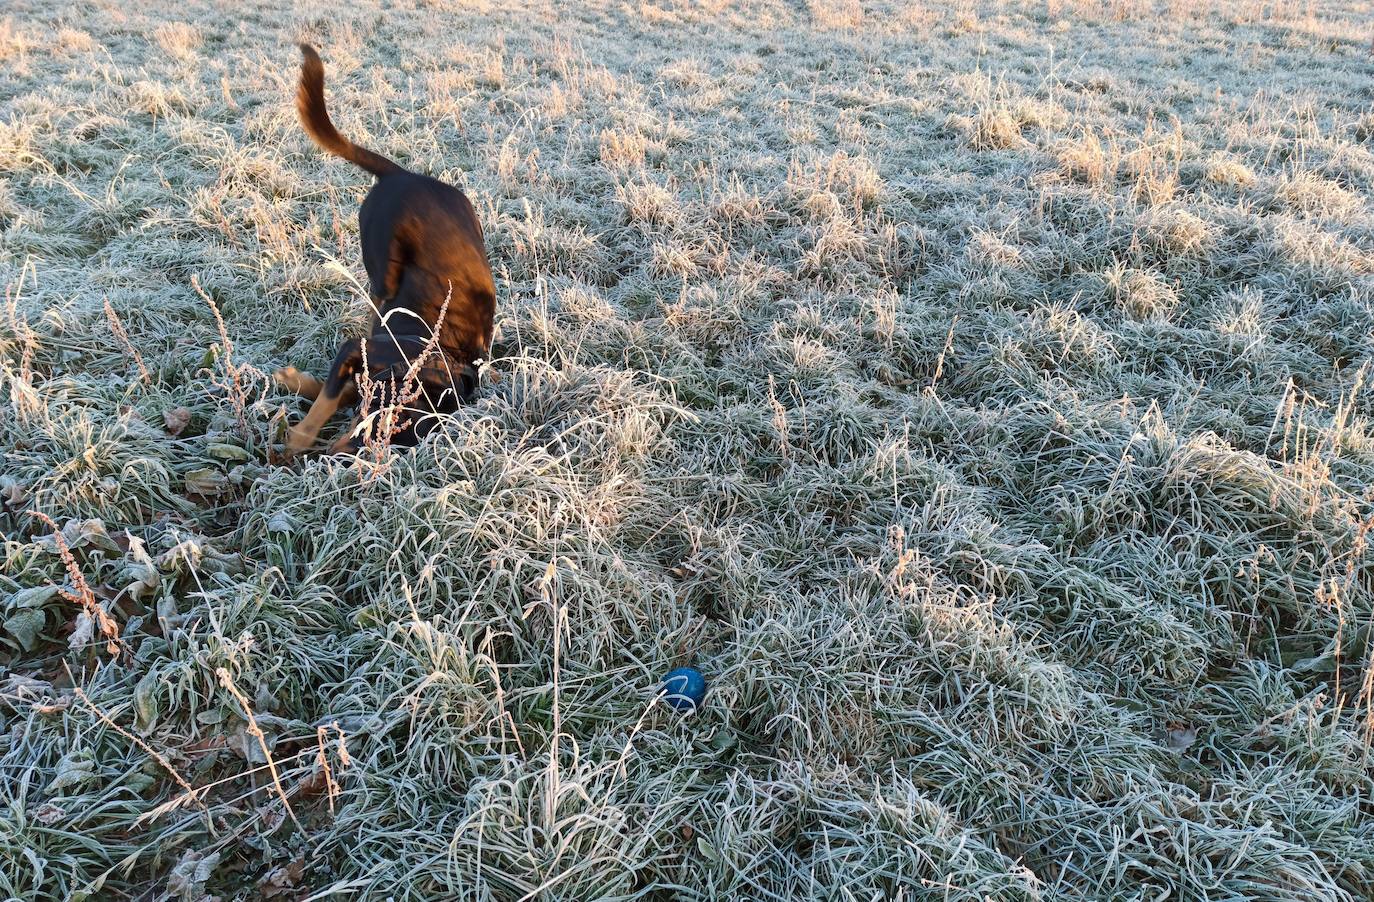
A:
684, 688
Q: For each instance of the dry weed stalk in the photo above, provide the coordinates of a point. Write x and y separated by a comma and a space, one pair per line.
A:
188, 791
256, 732
117, 328
27, 339
83, 595
384, 405
232, 378
322, 759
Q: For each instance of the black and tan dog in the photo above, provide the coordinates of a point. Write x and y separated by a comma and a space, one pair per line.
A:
422, 246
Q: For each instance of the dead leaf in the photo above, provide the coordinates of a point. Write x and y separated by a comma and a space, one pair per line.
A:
48, 814
13, 494
1180, 735
187, 879
206, 482
176, 420
185, 555
272, 817
84, 632
246, 745
140, 574
314, 784
226, 451
81, 534
25, 687
279, 881
58, 706
207, 745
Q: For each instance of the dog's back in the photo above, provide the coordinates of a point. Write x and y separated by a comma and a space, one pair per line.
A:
428, 236
420, 237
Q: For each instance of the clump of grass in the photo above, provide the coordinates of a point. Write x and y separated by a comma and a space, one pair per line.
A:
179, 39
1227, 171
1308, 193
649, 203
1140, 294
992, 127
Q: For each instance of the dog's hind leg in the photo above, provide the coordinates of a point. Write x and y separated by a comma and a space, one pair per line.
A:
338, 390
298, 383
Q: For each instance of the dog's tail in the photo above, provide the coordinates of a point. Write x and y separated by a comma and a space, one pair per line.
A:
315, 119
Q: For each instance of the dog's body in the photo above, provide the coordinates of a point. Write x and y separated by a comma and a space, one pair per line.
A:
425, 259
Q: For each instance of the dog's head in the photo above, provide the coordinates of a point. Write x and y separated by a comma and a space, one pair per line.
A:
420, 395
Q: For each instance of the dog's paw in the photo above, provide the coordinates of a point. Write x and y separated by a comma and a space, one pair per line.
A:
287, 376
297, 441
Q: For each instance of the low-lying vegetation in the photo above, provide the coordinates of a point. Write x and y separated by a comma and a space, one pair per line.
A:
978, 394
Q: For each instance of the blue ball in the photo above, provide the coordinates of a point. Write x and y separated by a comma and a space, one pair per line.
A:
684, 688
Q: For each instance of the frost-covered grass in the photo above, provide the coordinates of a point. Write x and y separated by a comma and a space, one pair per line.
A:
977, 393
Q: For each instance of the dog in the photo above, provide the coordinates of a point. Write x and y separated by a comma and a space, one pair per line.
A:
432, 294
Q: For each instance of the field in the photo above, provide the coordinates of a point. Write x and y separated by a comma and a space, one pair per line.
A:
977, 393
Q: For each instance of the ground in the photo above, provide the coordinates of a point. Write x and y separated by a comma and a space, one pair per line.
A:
975, 393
